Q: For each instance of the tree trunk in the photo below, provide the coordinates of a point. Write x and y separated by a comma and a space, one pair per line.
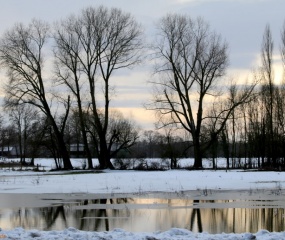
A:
197, 154
82, 124
104, 156
62, 147
86, 147
105, 161
88, 155
64, 153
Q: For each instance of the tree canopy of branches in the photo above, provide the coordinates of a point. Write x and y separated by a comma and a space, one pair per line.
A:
89, 48
192, 61
21, 53
122, 134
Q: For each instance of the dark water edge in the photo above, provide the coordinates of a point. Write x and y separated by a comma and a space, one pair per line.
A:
213, 211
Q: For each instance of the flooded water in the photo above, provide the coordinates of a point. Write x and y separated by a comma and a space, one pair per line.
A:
213, 212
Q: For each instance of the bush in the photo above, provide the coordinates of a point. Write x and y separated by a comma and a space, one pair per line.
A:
121, 164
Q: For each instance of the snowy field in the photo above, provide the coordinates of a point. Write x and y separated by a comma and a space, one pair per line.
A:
129, 181
172, 234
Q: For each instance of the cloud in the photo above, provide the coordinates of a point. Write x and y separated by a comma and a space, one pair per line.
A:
240, 22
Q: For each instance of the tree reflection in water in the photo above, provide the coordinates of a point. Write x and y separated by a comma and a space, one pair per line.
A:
98, 218
52, 215
145, 215
196, 213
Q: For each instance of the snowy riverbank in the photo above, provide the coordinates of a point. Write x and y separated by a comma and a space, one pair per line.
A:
172, 234
134, 182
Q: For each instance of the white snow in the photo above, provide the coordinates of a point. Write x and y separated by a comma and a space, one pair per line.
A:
171, 234
130, 181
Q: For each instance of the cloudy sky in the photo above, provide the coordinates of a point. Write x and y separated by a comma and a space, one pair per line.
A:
240, 22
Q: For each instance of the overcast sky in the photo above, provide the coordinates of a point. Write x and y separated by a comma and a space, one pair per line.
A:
240, 22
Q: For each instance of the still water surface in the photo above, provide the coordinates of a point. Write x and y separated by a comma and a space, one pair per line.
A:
195, 211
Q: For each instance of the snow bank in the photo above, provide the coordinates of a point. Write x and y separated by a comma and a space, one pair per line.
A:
172, 234
129, 181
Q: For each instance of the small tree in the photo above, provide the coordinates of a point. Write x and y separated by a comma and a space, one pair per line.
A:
23, 118
172, 150
152, 139
122, 134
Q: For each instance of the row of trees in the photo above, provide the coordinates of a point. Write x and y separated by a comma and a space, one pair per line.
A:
259, 124
191, 92
88, 48
28, 136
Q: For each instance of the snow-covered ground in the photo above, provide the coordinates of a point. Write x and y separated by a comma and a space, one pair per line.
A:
112, 182
130, 181
171, 234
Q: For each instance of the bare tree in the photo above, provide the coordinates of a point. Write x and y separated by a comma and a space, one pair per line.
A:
268, 92
68, 68
280, 99
21, 53
122, 134
90, 47
4, 135
23, 118
152, 139
192, 60
172, 151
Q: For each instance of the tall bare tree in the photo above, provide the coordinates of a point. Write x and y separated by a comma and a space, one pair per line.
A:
21, 53
69, 38
192, 60
268, 92
90, 48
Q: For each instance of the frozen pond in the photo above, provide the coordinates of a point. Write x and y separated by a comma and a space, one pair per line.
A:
201, 210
